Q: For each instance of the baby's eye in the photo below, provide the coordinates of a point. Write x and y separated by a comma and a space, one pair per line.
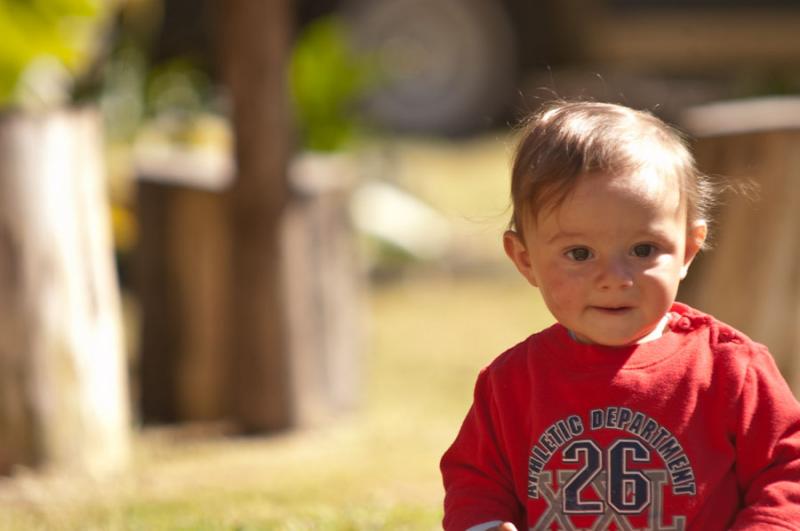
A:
643, 250
579, 254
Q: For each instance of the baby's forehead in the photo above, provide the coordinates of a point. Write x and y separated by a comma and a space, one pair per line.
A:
646, 182
643, 188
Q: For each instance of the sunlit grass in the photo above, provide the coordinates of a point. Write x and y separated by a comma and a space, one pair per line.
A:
375, 469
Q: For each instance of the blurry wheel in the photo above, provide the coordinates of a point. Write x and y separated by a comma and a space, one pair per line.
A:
443, 66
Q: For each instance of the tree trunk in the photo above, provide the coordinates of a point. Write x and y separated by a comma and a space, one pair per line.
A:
751, 276
255, 53
63, 386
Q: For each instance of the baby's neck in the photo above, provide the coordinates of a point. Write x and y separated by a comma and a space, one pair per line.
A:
657, 332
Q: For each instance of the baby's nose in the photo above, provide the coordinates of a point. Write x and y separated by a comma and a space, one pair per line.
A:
615, 273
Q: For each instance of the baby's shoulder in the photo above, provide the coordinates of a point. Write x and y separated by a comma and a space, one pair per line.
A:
725, 343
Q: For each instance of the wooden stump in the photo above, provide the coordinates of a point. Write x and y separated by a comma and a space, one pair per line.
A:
63, 387
323, 289
751, 276
187, 371
183, 260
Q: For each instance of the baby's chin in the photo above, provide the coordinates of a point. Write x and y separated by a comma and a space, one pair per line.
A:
602, 329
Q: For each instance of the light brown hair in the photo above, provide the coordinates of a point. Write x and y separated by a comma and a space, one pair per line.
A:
565, 140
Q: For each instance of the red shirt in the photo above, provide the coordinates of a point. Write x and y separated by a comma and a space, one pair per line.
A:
694, 430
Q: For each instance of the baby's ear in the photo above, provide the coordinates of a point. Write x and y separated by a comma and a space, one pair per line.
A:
695, 238
518, 253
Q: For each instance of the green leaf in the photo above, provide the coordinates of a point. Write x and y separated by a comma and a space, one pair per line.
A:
34, 29
326, 79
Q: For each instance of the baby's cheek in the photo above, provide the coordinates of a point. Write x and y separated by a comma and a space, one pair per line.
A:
665, 277
562, 291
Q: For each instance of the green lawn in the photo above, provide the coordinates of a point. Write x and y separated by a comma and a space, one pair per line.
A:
376, 469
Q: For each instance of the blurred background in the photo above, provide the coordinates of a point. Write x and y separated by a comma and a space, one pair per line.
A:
250, 258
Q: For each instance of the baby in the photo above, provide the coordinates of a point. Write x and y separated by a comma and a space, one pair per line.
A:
633, 411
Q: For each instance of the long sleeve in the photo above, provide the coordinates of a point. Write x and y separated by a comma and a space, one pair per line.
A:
477, 477
768, 449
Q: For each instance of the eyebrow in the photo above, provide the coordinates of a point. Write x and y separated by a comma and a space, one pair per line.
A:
655, 234
562, 235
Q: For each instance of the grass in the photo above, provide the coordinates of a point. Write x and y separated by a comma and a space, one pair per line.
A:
376, 469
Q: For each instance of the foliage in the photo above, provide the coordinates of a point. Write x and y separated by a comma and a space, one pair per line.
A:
178, 87
45, 44
174, 94
326, 78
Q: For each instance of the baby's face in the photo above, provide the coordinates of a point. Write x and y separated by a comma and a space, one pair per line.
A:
608, 261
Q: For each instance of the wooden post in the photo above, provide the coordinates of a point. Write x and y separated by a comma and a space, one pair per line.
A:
295, 320
63, 391
255, 55
751, 276
184, 270
323, 288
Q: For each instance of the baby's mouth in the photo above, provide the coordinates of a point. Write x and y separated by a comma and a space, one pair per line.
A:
612, 310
